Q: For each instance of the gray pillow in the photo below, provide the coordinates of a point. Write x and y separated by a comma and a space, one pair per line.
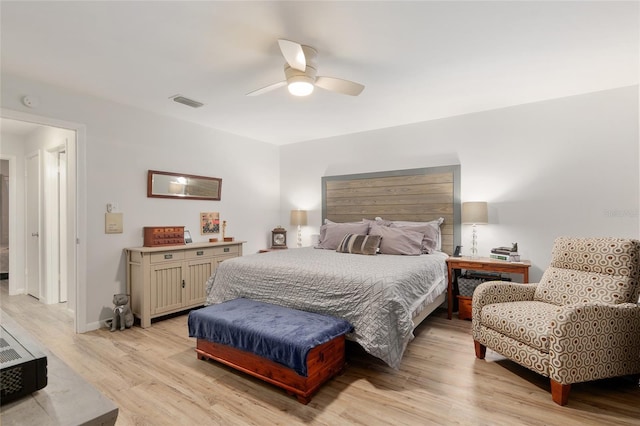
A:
398, 240
359, 244
435, 223
331, 234
430, 232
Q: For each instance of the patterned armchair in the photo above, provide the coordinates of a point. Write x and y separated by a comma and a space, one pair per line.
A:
581, 322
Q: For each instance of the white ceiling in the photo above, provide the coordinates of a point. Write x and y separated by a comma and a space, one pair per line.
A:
419, 60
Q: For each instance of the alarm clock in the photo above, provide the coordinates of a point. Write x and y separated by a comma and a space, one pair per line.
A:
279, 238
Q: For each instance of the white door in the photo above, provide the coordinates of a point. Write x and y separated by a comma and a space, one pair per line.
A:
32, 261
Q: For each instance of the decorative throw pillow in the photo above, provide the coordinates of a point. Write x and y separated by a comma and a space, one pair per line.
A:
398, 240
331, 234
359, 244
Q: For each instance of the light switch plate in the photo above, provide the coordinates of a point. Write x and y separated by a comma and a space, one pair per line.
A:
113, 223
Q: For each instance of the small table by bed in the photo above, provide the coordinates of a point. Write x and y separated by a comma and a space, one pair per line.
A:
482, 264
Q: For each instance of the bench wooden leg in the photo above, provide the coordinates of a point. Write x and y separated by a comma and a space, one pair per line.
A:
481, 350
560, 392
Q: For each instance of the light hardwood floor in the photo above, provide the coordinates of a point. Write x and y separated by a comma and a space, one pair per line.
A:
153, 375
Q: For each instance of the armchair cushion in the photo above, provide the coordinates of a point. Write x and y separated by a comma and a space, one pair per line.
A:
591, 270
491, 292
528, 322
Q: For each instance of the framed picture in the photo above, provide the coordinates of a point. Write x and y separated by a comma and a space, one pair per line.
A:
187, 237
209, 223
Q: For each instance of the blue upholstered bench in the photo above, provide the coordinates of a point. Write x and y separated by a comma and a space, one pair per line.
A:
292, 349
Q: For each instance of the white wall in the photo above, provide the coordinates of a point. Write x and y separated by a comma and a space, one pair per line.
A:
560, 167
122, 143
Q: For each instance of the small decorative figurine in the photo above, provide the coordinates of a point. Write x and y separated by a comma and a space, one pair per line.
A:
121, 313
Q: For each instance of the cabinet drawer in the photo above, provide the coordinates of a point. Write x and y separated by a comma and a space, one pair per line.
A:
226, 250
199, 253
167, 256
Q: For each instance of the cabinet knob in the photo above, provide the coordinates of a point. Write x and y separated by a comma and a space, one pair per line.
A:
182, 283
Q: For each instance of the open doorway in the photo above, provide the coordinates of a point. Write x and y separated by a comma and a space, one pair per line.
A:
4, 222
54, 177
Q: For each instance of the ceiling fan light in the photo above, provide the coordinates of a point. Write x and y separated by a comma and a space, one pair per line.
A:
300, 87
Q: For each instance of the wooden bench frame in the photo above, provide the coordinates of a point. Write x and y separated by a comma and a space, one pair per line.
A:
323, 362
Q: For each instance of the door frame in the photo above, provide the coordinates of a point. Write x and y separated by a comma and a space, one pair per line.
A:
76, 208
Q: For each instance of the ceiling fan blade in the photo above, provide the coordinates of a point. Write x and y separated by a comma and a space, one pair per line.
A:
339, 85
293, 54
267, 88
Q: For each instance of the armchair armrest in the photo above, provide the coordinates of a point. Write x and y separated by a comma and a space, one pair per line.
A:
502, 291
594, 341
491, 292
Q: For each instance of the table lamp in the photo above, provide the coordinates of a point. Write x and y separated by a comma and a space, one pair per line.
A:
299, 218
475, 213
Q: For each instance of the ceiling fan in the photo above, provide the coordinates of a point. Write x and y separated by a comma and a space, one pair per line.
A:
300, 71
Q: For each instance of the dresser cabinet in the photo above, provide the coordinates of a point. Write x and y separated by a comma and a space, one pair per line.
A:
165, 280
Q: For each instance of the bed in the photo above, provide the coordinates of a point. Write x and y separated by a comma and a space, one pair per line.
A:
384, 296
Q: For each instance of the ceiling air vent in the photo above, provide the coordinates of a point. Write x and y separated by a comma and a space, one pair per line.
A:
186, 101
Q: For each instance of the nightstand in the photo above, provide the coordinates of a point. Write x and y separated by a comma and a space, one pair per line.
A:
482, 264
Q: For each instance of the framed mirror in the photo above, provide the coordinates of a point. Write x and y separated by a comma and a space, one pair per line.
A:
180, 185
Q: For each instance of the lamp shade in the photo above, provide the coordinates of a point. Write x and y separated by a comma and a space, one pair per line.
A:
299, 217
475, 212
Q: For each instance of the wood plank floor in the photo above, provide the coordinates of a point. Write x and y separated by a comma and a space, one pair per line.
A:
153, 375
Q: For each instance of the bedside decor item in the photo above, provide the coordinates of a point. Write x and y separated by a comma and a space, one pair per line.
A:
279, 238
187, 237
509, 254
209, 223
299, 219
156, 236
180, 185
475, 213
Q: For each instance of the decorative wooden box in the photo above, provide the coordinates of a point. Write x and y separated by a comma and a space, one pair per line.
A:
156, 236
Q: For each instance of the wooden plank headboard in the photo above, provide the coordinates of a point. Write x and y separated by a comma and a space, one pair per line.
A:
418, 195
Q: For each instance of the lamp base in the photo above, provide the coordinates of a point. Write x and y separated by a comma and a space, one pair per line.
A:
474, 242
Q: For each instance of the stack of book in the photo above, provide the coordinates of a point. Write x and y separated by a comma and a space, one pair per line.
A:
510, 254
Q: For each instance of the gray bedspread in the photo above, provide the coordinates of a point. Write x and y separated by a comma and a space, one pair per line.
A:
376, 294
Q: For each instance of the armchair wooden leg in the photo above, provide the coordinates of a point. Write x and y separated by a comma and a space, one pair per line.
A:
481, 350
560, 392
